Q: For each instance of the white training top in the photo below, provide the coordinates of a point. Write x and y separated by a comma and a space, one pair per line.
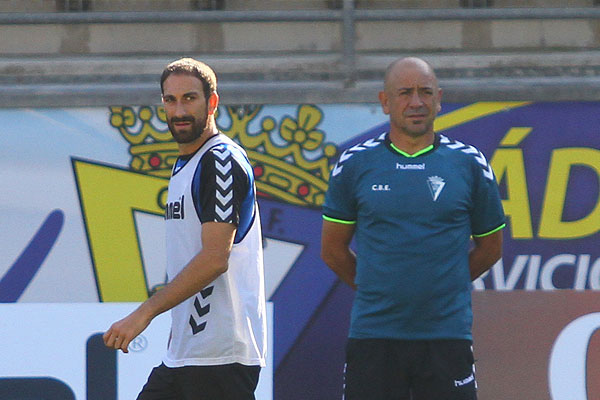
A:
226, 321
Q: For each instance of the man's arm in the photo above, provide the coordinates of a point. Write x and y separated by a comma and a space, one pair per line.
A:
487, 250
205, 267
336, 252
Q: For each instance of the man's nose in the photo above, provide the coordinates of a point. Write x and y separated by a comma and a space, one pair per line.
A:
415, 100
179, 110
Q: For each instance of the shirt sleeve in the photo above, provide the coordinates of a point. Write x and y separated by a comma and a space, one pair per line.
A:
340, 201
487, 214
221, 187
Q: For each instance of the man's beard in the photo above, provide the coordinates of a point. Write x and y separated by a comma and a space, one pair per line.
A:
417, 131
193, 132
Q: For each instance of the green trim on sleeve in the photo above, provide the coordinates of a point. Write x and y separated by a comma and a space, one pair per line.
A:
490, 232
339, 221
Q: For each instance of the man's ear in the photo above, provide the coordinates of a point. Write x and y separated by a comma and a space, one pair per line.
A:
383, 99
213, 103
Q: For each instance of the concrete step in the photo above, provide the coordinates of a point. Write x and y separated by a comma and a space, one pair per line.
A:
93, 80
304, 31
315, 66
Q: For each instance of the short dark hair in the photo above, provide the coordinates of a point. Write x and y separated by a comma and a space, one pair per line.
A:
196, 68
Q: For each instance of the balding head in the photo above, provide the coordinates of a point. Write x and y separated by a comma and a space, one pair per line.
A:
403, 66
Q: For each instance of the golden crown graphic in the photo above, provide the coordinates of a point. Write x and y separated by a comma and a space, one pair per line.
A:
153, 151
293, 167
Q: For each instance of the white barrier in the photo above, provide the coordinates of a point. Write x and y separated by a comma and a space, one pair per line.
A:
56, 349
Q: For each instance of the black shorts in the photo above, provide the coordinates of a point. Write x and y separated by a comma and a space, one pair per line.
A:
381, 369
226, 382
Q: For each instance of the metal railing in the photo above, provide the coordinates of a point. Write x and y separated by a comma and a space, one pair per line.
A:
185, 5
353, 14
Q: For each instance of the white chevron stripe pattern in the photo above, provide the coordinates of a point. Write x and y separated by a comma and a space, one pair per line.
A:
224, 214
223, 168
465, 148
370, 143
222, 154
224, 199
224, 184
224, 181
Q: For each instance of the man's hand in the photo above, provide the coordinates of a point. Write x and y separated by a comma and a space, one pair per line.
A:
122, 332
205, 267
